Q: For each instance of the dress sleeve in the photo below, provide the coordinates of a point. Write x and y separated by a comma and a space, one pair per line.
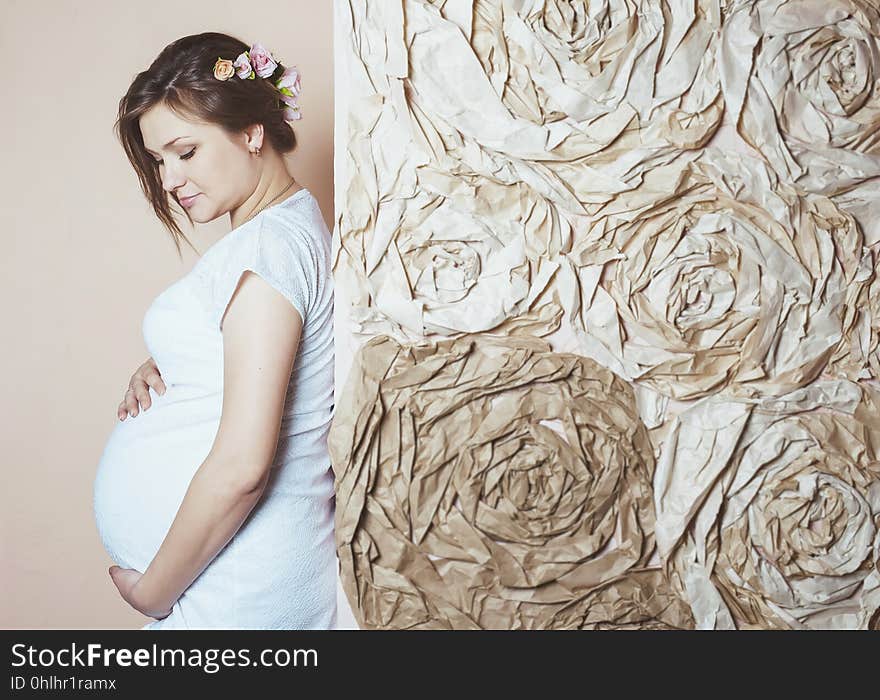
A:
277, 252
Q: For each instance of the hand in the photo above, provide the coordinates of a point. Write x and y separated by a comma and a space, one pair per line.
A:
126, 581
145, 376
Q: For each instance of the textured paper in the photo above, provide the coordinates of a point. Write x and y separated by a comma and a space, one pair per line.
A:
684, 195
480, 136
801, 78
459, 506
728, 280
772, 520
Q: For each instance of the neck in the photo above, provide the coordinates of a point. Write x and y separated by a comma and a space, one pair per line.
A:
273, 180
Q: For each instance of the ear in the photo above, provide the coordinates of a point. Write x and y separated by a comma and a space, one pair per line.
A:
253, 136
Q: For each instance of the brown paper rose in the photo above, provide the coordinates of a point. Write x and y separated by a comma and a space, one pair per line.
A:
803, 84
772, 520
641, 599
730, 281
483, 484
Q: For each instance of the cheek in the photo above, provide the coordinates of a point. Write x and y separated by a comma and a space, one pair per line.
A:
213, 172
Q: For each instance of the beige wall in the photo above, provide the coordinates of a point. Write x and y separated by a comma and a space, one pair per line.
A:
82, 259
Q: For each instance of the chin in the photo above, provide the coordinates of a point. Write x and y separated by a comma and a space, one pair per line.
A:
200, 216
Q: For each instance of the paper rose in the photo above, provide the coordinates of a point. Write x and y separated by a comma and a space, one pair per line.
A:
772, 519
574, 98
289, 86
291, 111
805, 88
485, 484
459, 257
728, 282
223, 69
641, 599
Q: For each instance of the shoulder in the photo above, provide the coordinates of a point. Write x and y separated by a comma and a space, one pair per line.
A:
276, 252
298, 232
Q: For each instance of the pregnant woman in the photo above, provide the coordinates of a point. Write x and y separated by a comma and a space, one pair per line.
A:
215, 499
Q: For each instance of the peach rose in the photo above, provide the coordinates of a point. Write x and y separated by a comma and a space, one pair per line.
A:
223, 69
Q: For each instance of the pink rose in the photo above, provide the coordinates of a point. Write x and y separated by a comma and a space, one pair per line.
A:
243, 68
290, 80
291, 111
262, 61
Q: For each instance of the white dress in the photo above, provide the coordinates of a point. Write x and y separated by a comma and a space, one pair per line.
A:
279, 571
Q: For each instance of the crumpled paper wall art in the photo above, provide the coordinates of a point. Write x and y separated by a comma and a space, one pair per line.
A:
464, 261
641, 599
772, 519
801, 79
677, 201
422, 107
729, 281
452, 476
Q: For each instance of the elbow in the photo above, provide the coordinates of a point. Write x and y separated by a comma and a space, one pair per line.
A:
241, 477
255, 484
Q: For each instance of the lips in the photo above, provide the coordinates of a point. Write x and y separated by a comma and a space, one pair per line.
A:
186, 201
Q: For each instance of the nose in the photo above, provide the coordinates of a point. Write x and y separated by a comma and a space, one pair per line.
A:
172, 178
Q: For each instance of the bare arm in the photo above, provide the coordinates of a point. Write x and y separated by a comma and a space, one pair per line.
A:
261, 333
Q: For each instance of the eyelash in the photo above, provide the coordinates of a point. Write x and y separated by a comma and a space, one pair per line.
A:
185, 156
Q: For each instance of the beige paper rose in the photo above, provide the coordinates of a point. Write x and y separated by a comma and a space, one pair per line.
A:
802, 81
575, 99
485, 484
465, 255
858, 357
772, 520
724, 280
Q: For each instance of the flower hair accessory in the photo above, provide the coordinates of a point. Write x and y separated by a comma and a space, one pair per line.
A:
258, 62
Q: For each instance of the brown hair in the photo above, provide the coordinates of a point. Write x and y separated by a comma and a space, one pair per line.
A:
182, 78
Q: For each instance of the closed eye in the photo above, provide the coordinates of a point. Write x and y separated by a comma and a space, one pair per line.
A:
185, 156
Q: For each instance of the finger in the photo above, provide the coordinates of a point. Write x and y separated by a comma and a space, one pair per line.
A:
142, 393
131, 404
122, 411
154, 379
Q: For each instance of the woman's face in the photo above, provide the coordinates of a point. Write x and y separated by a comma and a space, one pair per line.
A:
196, 163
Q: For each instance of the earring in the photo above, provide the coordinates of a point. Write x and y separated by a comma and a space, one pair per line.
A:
257, 151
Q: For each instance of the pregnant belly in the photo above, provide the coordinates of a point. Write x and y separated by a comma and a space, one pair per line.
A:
146, 468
